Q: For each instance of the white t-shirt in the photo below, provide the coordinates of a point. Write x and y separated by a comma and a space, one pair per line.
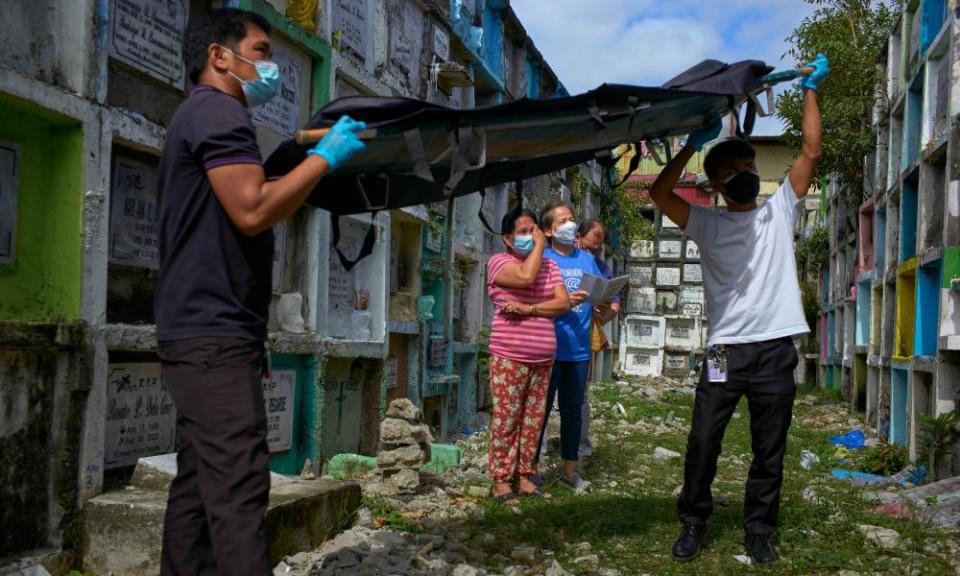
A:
749, 270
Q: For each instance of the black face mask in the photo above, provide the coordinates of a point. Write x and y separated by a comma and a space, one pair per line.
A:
743, 187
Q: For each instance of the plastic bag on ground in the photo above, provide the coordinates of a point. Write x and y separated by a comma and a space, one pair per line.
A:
852, 440
808, 459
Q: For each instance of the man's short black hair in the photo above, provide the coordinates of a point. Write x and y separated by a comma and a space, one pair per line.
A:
509, 222
227, 26
728, 149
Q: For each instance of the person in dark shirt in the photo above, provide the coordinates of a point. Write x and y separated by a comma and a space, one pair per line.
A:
216, 251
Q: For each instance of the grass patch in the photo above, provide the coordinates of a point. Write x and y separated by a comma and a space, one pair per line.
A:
629, 519
386, 516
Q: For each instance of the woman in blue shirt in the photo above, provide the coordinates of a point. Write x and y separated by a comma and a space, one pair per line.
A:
568, 381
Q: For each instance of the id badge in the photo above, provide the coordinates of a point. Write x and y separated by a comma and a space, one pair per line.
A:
716, 366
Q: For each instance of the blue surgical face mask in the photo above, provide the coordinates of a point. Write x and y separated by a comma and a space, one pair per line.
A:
259, 91
566, 233
523, 244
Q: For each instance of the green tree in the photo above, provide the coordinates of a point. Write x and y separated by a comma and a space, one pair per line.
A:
852, 34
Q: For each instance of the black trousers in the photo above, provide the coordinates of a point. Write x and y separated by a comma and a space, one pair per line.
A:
763, 371
215, 511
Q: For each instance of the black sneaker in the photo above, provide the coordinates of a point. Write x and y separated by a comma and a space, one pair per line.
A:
688, 544
760, 548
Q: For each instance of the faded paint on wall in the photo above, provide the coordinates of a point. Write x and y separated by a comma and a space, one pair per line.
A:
43, 284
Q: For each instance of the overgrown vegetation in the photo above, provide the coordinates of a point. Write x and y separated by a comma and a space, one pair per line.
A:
852, 34
938, 434
811, 252
884, 459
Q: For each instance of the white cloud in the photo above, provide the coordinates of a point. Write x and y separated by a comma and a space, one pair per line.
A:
647, 42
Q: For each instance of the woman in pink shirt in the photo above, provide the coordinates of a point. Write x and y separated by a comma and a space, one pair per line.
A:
528, 293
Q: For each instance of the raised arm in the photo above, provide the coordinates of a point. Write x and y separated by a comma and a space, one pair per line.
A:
804, 167
675, 207
514, 275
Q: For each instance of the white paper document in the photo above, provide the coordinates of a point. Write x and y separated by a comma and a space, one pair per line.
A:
600, 290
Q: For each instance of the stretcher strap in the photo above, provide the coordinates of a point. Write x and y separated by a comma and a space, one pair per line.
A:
483, 217
461, 140
414, 142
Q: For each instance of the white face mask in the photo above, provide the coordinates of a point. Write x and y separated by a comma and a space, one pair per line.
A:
566, 233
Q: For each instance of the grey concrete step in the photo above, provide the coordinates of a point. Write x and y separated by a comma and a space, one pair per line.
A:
123, 528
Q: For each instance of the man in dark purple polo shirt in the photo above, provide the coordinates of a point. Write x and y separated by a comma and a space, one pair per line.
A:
216, 251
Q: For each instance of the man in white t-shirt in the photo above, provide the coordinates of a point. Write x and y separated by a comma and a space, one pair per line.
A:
754, 309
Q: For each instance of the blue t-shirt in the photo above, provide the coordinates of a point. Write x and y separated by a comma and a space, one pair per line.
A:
573, 328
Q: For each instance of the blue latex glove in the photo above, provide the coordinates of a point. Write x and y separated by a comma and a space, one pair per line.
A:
821, 69
699, 137
340, 143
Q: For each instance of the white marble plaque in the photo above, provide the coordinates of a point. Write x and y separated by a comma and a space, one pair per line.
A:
350, 23
668, 276
692, 295
680, 332
640, 330
342, 296
643, 300
676, 362
9, 192
669, 249
134, 217
141, 419
689, 309
282, 113
278, 402
441, 43
641, 275
401, 50
692, 251
148, 35
692, 273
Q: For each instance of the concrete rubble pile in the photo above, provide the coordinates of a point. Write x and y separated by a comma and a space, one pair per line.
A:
366, 551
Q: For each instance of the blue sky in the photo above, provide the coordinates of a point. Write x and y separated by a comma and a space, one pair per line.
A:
646, 42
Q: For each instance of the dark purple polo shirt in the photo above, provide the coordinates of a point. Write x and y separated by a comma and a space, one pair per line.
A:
214, 280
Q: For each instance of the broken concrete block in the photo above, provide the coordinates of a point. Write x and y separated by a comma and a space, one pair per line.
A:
411, 456
404, 409
406, 481
885, 538
397, 432
664, 454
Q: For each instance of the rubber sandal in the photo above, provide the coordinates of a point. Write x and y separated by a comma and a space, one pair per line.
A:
537, 479
507, 499
537, 493
578, 483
